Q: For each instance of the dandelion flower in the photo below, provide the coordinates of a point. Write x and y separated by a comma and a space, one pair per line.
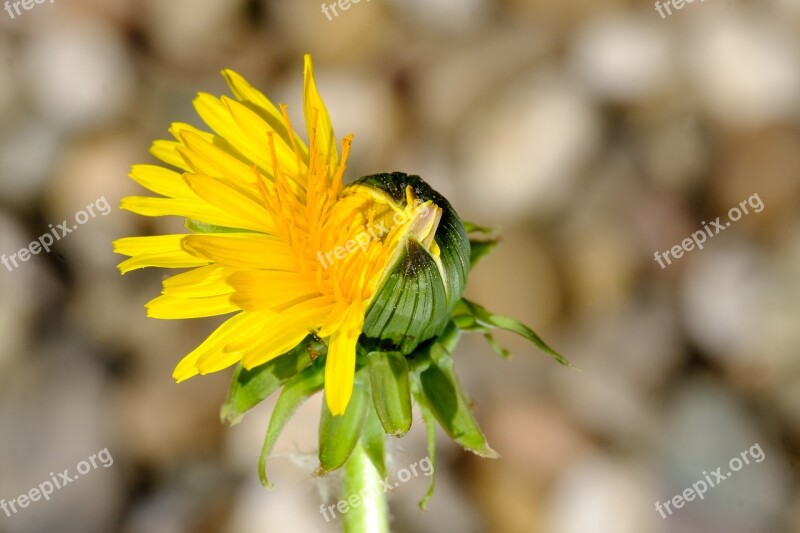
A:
351, 288
279, 240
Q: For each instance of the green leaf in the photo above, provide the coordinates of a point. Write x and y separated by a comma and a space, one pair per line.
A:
373, 440
250, 387
391, 393
430, 427
470, 316
442, 394
338, 435
296, 391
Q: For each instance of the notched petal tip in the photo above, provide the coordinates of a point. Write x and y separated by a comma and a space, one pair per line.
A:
182, 374
338, 401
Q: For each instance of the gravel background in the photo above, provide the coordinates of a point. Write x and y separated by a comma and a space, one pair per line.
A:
593, 131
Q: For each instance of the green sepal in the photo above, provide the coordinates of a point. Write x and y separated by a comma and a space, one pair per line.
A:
338, 435
297, 390
449, 337
249, 387
496, 346
430, 429
471, 227
480, 249
373, 440
470, 316
482, 246
443, 396
196, 226
391, 392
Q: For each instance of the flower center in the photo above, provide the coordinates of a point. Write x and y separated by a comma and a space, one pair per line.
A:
345, 237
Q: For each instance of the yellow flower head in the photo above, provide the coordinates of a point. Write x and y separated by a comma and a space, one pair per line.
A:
277, 238
355, 289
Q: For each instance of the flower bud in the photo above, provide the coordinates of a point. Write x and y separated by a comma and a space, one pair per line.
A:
428, 272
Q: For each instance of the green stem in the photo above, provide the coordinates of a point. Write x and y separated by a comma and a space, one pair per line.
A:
368, 511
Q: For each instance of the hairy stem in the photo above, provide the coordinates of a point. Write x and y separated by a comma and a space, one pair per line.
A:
362, 489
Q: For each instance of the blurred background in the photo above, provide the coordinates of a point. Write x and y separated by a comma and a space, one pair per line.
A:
593, 132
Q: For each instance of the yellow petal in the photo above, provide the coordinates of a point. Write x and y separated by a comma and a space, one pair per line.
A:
172, 307
199, 283
211, 351
254, 127
218, 117
284, 332
340, 366
161, 181
245, 92
242, 250
196, 209
232, 198
204, 157
335, 318
256, 290
165, 251
176, 128
166, 152
260, 104
314, 107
